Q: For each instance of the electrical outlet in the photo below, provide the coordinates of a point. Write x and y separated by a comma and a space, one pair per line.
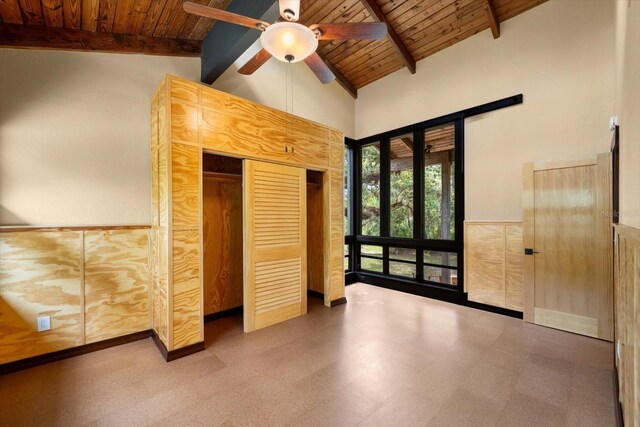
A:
44, 323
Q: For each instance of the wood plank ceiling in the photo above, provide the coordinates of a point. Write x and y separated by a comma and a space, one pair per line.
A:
424, 27
418, 28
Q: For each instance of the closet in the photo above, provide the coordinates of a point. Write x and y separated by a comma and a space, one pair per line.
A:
247, 210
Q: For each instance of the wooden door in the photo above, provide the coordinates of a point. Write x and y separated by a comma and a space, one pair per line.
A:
275, 246
568, 237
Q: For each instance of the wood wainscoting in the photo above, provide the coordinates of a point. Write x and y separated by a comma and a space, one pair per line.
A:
627, 320
493, 257
92, 281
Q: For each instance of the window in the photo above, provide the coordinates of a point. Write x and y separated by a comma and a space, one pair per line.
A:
401, 186
371, 258
346, 257
347, 191
370, 168
439, 183
440, 267
402, 262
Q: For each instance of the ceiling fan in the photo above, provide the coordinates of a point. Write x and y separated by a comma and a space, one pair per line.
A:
290, 41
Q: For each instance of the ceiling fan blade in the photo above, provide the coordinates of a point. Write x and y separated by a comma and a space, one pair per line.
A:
223, 15
289, 9
319, 68
254, 63
354, 30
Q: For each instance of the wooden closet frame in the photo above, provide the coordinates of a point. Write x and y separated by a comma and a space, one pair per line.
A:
187, 120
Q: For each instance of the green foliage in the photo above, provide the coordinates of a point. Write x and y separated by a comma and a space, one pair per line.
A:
371, 190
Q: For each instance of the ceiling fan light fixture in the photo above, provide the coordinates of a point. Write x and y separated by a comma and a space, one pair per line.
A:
289, 41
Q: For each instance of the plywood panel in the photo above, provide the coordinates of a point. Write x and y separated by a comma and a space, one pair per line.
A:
160, 284
40, 275
514, 254
627, 320
116, 274
222, 242
485, 263
185, 185
315, 239
184, 122
187, 316
336, 224
275, 218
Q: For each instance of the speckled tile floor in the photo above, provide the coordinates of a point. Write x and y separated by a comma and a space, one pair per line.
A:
383, 359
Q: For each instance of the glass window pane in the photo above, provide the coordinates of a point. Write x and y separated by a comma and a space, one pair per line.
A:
401, 186
346, 250
402, 269
371, 264
347, 191
441, 258
346, 263
371, 250
402, 254
447, 276
439, 183
371, 189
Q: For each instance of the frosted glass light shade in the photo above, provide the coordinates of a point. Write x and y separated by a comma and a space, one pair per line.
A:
289, 41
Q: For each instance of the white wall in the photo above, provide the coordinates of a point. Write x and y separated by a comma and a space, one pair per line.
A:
628, 107
559, 55
74, 135
327, 104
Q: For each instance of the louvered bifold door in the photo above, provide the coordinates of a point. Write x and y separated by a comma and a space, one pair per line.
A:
275, 247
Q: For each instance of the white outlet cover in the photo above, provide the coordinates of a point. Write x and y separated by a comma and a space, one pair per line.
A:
44, 323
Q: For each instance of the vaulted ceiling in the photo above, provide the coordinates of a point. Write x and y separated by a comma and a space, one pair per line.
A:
417, 28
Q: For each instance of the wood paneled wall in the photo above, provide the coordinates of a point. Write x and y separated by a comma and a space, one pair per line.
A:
627, 320
315, 240
493, 256
222, 241
189, 119
94, 283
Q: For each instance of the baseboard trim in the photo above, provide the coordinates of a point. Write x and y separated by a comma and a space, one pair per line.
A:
315, 294
225, 313
494, 309
178, 353
30, 362
338, 301
616, 398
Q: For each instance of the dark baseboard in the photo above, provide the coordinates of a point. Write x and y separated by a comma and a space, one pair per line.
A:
338, 301
451, 295
616, 397
178, 353
55, 356
315, 294
350, 278
492, 309
225, 313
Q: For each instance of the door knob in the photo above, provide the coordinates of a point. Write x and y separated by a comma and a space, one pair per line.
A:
529, 251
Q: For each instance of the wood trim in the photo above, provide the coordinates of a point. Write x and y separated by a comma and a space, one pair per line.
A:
36, 37
528, 241
30, 362
616, 395
392, 36
20, 228
630, 233
561, 164
492, 17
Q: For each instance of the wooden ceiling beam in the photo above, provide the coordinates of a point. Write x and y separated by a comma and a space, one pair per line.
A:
492, 16
408, 142
392, 35
35, 37
340, 78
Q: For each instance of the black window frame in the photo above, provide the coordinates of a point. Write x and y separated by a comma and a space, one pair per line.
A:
418, 242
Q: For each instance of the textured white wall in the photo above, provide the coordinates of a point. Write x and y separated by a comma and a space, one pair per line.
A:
74, 135
560, 56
